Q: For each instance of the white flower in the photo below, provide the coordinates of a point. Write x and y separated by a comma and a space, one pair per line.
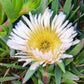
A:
41, 41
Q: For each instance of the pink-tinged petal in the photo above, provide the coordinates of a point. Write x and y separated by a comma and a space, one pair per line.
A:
66, 56
76, 42
44, 64
34, 66
27, 62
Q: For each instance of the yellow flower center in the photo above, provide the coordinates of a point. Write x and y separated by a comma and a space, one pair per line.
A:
44, 39
44, 45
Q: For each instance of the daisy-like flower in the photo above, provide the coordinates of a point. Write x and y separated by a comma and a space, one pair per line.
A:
41, 41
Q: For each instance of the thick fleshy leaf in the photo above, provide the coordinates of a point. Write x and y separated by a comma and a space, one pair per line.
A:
12, 66
16, 82
80, 58
8, 78
76, 49
17, 4
29, 5
68, 81
1, 15
69, 75
11, 14
34, 79
51, 67
68, 61
50, 1
28, 75
54, 7
67, 6
40, 82
61, 65
74, 69
41, 8
57, 74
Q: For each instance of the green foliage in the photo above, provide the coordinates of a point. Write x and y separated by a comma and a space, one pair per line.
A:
69, 75
76, 49
74, 12
17, 4
68, 61
67, 6
2, 15
28, 75
74, 69
16, 82
57, 75
61, 65
54, 7
80, 58
7, 79
12, 66
41, 8
10, 11
40, 82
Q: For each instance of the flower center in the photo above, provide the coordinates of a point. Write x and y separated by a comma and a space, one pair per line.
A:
45, 40
45, 45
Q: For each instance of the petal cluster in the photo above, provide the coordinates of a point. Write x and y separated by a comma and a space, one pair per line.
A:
28, 38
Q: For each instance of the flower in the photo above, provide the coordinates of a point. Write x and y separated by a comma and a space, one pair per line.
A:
41, 41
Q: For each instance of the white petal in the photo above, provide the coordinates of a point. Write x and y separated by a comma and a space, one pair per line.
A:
28, 22
46, 17
66, 56
27, 62
76, 42
34, 66
16, 46
44, 64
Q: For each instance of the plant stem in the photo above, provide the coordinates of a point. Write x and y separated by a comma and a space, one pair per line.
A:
45, 76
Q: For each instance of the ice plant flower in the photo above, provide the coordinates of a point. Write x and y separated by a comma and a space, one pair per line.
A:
42, 42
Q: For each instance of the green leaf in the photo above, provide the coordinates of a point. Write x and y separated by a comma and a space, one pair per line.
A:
50, 1
34, 79
61, 65
4, 31
12, 66
54, 6
8, 78
70, 75
74, 12
28, 75
68, 81
80, 58
41, 8
51, 67
78, 18
14, 3
81, 6
29, 5
3, 39
68, 61
67, 6
74, 69
9, 10
75, 3
57, 74
40, 81
1, 15
76, 49
18, 5
16, 82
